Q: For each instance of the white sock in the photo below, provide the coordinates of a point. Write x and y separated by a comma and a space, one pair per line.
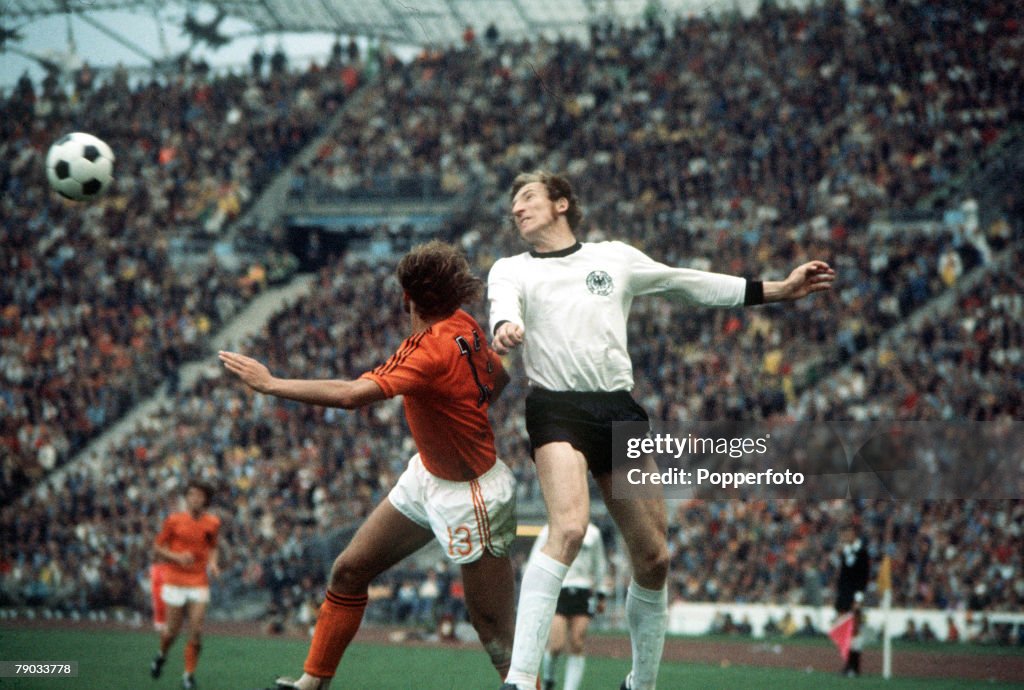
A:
308, 681
574, 664
647, 616
538, 594
547, 669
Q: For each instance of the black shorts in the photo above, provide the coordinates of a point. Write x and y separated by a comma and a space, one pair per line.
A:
574, 601
584, 420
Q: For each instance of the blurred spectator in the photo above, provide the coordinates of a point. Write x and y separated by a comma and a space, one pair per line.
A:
807, 629
952, 632
406, 601
427, 594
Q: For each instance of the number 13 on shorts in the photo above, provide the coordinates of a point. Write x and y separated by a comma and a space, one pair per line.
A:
460, 541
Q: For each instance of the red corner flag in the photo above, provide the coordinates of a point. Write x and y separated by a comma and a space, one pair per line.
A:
842, 634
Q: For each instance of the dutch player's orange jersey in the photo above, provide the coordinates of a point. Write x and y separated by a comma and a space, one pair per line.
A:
198, 536
446, 374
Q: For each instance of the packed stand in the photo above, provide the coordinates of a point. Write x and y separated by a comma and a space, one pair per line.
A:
947, 555
772, 119
666, 167
689, 189
95, 312
764, 151
967, 363
286, 472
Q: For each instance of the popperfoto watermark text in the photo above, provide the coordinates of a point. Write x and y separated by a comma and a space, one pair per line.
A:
705, 477
819, 460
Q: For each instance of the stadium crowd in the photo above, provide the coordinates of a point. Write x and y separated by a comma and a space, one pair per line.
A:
764, 120
947, 555
95, 313
289, 472
664, 161
967, 363
779, 140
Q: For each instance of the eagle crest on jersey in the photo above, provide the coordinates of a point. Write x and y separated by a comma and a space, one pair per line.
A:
600, 283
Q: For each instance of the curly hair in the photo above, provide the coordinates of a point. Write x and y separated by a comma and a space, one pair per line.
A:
558, 187
206, 487
436, 276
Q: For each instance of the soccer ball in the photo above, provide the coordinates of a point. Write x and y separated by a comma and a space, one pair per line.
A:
79, 166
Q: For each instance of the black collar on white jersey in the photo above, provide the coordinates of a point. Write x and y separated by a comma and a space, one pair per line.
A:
557, 253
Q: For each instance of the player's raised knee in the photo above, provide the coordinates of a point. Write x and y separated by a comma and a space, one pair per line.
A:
487, 624
565, 541
348, 577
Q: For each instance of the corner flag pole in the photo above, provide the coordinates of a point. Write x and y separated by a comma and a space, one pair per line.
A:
885, 585
886, 635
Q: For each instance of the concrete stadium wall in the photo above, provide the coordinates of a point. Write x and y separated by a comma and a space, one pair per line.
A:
697, 618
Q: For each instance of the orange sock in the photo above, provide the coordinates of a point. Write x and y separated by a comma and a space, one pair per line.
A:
191, 656
337, 623
156, 575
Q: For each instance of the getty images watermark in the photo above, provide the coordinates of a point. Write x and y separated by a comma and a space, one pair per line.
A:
702, 446
892, 460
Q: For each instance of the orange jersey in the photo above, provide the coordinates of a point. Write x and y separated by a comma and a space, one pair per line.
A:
198, 536
446, 374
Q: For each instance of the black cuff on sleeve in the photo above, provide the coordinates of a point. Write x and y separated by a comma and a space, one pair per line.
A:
754, 294
498, 325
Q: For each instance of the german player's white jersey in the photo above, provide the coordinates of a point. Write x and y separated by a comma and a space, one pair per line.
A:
590, 567
573, 306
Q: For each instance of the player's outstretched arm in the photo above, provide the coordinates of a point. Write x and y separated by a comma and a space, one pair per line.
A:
179, 557
325, 392
813, 276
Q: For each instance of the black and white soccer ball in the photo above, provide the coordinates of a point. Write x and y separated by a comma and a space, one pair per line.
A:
79, 166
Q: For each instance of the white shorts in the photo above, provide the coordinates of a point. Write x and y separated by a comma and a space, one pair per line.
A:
467, 518
174, 595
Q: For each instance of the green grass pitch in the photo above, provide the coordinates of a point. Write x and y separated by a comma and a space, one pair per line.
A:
115, 660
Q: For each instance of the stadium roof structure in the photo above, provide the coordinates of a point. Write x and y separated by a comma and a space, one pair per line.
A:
412, 22
444, 21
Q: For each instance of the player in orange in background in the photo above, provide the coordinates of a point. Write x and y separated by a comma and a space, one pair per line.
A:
187, 545
455, 489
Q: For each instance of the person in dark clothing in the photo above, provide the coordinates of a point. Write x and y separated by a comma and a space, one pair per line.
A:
854, 569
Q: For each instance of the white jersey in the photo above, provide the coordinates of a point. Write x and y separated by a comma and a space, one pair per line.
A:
573, 306
589, 569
